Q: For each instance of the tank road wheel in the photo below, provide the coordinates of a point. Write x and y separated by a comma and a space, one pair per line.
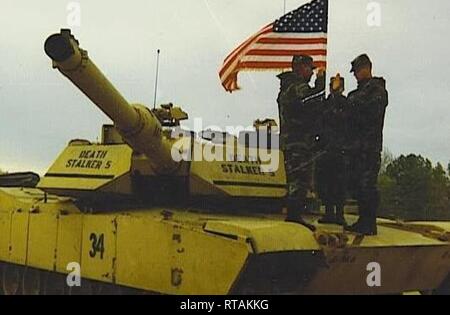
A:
31, 282
11, 279
54, 284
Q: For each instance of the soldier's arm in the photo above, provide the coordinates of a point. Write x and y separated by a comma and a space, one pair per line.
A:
303, 91
373, 108
319, 84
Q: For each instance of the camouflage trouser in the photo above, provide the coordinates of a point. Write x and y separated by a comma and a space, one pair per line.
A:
331, 175
299, 175
367, 166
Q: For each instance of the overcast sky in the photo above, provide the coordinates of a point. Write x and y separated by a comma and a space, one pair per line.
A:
41, 110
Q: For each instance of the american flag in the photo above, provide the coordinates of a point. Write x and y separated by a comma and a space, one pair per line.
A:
302, 31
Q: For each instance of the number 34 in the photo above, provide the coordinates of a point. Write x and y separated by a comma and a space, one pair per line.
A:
97, 245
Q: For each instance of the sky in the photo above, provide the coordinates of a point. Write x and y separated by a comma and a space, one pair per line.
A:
41, 110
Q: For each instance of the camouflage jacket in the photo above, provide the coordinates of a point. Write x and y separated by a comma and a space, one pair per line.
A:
368, 106
296, 106
335, 128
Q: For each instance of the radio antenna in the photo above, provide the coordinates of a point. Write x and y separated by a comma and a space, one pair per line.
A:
156, 79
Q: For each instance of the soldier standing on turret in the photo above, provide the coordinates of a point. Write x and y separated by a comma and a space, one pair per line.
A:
331, 170
368, 105
297, 137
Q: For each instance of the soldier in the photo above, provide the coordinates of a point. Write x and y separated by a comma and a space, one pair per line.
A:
297, 137
368, 105
331, 167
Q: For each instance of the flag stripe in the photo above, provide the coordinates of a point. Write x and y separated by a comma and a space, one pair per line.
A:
291, 47
273, 65
305, 36
293, 41
272, 52
277, 58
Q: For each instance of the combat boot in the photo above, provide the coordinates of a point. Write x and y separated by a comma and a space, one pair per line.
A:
329, 217
364, 227
368, 218
340, 220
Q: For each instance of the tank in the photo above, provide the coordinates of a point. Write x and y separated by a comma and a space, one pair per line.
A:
137, 212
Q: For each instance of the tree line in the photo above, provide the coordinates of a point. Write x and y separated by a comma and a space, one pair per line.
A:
412, 188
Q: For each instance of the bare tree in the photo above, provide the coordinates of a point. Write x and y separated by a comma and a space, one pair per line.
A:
386, 158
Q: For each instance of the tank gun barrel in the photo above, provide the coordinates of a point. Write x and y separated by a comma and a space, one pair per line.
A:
139, 127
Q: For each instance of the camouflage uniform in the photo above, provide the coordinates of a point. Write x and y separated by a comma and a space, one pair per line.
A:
368, 104
331, 168
296, 103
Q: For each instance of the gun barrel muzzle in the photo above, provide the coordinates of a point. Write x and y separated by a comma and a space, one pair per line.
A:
58, 47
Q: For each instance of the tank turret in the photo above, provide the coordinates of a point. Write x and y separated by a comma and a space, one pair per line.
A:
140, 155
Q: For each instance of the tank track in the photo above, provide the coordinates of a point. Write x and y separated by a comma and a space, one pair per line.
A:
23, 280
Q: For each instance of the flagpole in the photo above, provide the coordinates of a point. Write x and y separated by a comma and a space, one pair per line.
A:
328, 25
156, 79
284, 7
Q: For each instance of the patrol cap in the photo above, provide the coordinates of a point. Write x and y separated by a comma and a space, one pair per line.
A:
362, 60
303, 59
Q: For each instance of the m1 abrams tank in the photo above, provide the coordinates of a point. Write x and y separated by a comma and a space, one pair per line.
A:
134, 219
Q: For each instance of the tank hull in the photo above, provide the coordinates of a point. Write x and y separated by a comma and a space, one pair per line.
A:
175, 251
